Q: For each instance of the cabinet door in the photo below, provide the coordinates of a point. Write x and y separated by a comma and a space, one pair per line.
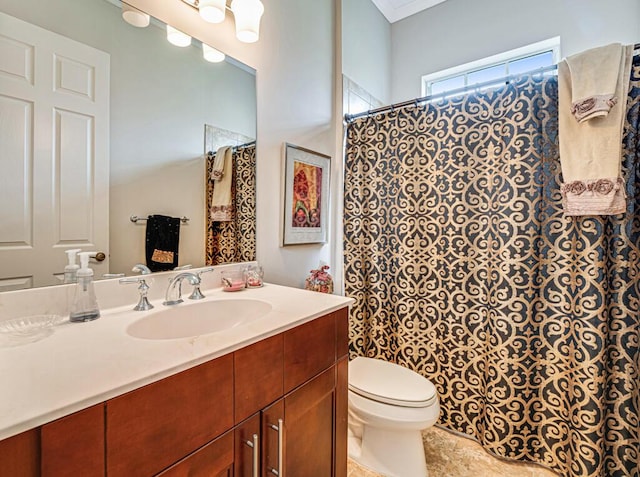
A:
153, 427
213, 460
257, 376
342, 333
308, 350
74, 445
273, 439
342, 414
20, 455
303, 443
247, 448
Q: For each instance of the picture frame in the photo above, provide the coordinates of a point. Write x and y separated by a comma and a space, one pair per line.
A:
306, 196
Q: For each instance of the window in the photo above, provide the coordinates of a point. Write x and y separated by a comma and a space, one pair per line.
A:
492, 71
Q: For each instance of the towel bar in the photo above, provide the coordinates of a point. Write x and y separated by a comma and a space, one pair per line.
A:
135, 219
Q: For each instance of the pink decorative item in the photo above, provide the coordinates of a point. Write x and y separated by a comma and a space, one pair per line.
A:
319, 280
254, 276
232, 280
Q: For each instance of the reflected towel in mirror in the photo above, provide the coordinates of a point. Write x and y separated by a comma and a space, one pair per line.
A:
162, 242
222, 177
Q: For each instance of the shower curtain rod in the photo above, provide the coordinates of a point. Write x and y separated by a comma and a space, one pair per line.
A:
417, 101
235, 148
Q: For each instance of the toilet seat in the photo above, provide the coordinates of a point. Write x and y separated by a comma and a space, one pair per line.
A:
390, 383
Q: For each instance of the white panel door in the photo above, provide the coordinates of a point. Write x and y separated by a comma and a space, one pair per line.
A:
54, 153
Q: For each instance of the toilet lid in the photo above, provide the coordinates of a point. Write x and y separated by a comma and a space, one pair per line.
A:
389, 383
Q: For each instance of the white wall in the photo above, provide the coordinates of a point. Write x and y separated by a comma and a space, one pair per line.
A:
458, 31
366, 47
294, 60
161, 97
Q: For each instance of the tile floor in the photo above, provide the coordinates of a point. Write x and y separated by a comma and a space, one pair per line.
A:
449, 455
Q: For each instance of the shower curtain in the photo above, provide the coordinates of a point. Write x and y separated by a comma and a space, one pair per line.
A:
465, 270
235, 240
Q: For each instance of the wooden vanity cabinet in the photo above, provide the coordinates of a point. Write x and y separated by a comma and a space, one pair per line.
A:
74, 445
279, 404
155, 426
247, 444
298, 433
213, 460
70, 446
20, 455
308, 416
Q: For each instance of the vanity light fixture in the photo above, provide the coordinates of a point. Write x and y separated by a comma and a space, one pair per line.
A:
135, 17
247, 14
212, 11
176, 37
211, 54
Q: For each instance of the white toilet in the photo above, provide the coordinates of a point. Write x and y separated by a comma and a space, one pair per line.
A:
389, 406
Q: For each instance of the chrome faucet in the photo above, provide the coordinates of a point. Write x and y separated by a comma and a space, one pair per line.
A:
174, 291
143, 269
143, 288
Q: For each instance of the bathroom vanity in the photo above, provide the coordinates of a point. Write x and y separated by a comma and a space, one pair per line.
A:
264, 398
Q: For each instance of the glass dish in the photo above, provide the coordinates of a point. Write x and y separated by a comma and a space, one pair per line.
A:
28, 329
232, 280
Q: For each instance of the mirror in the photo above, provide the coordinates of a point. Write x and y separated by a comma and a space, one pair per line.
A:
160, 99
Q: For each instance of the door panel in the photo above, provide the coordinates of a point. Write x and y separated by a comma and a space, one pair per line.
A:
54, 140
16, 139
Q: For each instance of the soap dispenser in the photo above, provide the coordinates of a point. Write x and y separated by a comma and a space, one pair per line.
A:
84, 306
71, 270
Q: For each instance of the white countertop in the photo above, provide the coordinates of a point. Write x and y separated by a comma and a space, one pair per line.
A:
82, 364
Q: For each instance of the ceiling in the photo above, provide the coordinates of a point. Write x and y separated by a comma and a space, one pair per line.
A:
395, 10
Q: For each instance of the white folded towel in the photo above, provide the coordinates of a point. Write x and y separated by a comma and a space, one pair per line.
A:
594, 78
222, 176
591, 148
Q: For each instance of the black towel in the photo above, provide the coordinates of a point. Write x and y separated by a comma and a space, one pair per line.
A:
162, 240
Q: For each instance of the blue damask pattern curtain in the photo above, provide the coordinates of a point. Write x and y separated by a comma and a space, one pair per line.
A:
465, 270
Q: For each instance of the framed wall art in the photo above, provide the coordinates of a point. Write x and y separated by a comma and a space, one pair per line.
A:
306, 196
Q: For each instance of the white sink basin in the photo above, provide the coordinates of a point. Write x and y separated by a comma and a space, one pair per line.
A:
193, 319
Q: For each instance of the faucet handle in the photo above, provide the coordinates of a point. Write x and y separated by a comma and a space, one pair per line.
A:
196, 294
142, 268
143, 288
188, 266
205, 270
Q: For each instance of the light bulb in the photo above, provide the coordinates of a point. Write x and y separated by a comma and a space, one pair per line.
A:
212, 11
211, 54
135, 17
247, 14
177, 38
